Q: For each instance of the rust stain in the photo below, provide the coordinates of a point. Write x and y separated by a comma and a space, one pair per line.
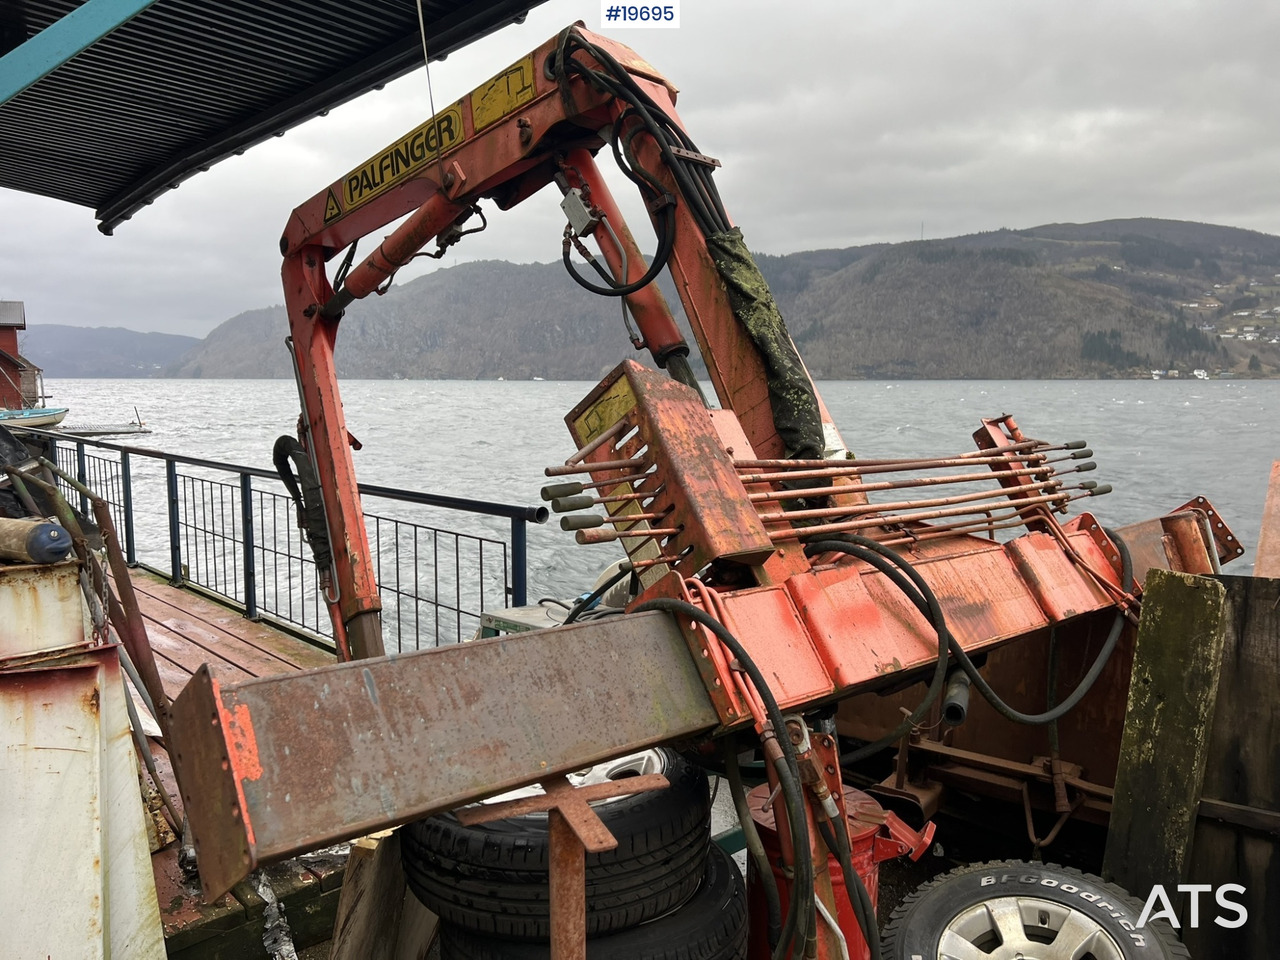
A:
242, 742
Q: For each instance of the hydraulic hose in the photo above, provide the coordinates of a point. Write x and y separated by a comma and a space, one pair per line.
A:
666, 242
585, 603
938, 681
755, 846
801, 915
864, 910
925, 600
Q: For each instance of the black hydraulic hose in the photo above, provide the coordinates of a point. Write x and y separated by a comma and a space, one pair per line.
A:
940, 669
925, 600
801, 914
666, 243
585, 603
962, 658
620, 84
755, 846
864, 910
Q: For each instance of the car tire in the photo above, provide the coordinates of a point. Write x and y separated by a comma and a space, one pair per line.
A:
492, 878
712, 925
1034, 911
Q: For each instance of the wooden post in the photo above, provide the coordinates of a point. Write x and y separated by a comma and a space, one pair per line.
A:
1172, 694
379, 918
1237, 838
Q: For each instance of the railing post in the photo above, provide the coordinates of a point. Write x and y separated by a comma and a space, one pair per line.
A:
519, 562
82, 474
126, 489
175, 541
246, 527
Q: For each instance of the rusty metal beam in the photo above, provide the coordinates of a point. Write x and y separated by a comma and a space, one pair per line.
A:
277, 765
1268, 561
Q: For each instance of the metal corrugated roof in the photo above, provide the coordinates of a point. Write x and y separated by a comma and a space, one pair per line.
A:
187, 83
13, 313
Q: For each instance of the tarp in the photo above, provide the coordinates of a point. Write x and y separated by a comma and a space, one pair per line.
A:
791, 398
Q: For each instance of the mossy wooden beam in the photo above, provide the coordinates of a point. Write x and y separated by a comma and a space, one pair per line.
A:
1173, 692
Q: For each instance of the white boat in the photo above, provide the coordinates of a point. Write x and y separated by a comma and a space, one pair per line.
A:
34, 417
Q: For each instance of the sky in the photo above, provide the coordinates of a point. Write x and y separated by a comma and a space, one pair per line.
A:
837, 123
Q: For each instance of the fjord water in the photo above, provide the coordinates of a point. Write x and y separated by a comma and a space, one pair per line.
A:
1158, 443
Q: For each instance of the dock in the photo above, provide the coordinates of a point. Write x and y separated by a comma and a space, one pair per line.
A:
187, 630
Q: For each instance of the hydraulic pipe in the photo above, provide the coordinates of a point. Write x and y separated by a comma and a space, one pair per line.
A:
881, 521
652, 315
852, 469
767, 495
1033, 445
427, 222
867, 508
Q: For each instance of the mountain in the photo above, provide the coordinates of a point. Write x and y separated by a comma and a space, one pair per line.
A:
1116, 298
64, 351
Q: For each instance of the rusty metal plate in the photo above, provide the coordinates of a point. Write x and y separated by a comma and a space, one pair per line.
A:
698, 482
1225, 542
979, 590
1054, 579
766, 623
43, 608
317, 757
1268, 561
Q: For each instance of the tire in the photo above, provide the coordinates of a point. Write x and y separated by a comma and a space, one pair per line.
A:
712, 925
492, 878
959, 906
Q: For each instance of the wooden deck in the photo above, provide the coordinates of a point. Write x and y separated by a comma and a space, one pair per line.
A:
187, 630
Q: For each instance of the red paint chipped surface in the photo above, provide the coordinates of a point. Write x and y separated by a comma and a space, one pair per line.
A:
242, 742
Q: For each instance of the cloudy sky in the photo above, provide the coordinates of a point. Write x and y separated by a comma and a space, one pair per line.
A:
838, 123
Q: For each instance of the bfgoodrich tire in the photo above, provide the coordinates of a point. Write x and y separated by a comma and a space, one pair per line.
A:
1030, 911
492, 878
710, 926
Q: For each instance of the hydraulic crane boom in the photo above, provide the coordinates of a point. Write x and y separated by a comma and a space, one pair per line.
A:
759, 593
541, 121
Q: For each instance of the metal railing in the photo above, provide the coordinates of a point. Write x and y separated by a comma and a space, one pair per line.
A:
232, 530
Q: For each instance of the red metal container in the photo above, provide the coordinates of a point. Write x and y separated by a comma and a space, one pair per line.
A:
875, 835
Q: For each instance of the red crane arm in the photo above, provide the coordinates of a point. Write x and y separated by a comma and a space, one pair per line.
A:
540, 120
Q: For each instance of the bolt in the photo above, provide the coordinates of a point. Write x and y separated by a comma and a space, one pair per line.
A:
831, 770
448, 181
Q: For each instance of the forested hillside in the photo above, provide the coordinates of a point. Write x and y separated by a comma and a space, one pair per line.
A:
1109, 299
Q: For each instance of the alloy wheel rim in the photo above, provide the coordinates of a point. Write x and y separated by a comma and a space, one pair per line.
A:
1025, 928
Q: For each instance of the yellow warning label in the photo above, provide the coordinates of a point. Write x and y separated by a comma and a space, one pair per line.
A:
510, 89
331, 209
614, 404
406, 156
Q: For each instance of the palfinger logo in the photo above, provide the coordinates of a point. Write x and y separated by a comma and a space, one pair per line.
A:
1158, 897
406, 156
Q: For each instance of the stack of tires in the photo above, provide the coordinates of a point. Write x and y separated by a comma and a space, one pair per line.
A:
665, 892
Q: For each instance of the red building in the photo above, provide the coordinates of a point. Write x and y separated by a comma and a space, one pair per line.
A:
19, 379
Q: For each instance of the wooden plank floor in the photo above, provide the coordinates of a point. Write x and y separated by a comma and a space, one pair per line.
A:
187, 630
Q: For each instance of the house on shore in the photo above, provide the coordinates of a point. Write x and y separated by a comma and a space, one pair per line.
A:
21, 381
